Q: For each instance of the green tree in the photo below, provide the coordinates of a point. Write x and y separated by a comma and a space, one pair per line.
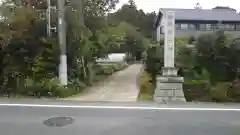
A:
130, 14
27, 54
213, 54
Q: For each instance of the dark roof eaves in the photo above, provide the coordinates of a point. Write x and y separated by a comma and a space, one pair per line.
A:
159, 16
207, 19
181, 19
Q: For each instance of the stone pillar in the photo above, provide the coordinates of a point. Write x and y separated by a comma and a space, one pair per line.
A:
158, 34
169, 84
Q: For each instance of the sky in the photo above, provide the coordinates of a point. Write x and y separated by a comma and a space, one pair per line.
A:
154, 5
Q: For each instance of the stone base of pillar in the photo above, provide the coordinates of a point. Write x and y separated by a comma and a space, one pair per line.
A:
169, 71
169, 87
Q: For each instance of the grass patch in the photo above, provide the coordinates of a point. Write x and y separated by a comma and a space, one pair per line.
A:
145, 97
146, 87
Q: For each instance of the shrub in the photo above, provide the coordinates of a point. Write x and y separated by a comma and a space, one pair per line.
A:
51, 88
234, 92
146, 87
196, 90
116, 66
121, 65
104, 69
110, 68
191, 39
196, 85
219, 92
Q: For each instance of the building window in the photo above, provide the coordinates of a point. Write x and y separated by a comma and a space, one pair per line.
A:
208, 26
220, 26
184, 26
178, 26
229, 26
237, 26
191, 26
214, 26
202, 26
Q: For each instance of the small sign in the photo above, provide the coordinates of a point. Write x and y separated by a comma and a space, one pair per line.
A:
170, 24
169, 39
60, 20
170, 16
170, 31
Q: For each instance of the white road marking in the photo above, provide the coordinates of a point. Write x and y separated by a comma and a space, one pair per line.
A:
121, 107
134, 97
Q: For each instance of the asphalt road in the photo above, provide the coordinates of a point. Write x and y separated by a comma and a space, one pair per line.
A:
26, 117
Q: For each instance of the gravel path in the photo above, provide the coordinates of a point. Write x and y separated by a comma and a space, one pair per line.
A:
121, 86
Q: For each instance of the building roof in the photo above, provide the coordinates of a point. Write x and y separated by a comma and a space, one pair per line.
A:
204, 14
201, 14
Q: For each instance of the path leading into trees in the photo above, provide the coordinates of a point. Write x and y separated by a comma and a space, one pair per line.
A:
121, 86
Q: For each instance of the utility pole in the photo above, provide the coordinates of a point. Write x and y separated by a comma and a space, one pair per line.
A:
49, 17
82, 15
62, 43
49, 27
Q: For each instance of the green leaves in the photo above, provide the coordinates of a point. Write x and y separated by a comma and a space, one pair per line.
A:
216, 56
27, 53
137, 18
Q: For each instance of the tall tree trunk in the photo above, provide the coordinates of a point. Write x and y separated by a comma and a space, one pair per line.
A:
83, 68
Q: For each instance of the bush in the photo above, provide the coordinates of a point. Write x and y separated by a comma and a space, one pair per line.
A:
196, 90
191, 40
146, 87
110, 68
234, 92
104, 69
121, 65
51, 88
219, 92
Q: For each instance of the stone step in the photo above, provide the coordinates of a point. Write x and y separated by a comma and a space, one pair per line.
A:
170, 86
167, 93
169, 100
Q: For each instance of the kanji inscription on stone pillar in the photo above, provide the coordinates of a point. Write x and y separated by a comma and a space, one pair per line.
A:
169, 39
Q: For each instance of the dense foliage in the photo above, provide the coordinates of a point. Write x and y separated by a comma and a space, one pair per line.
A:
211, 67
208, 63
29, 59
